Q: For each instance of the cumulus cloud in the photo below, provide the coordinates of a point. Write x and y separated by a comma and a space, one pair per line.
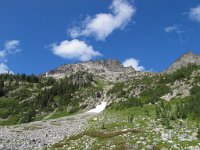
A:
174, 28
103, 24
133, 63
10, 47
74, 49
194, 14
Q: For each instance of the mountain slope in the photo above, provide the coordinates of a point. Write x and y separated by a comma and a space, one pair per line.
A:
136, 102
183, 61
79, 87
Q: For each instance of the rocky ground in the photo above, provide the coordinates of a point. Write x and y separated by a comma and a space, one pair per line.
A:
113, 130
41, 134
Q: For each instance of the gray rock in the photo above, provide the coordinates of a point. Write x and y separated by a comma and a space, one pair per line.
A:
40, 134
183, 61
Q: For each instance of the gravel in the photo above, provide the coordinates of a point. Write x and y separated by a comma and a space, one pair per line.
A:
40, 134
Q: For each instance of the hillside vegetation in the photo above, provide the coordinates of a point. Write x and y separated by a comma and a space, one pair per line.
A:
144, 110
146, 121
28, 98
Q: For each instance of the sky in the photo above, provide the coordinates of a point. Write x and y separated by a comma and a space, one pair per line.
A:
37, 36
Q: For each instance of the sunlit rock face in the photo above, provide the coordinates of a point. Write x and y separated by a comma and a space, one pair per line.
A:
183, 61
97, 66
111, 70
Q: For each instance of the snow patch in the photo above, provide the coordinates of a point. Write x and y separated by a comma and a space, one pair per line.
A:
99, 108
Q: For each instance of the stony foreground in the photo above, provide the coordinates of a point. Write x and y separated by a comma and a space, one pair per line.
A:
115, 130
41, 134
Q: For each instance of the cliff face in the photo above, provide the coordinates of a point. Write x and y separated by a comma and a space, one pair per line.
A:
183, 61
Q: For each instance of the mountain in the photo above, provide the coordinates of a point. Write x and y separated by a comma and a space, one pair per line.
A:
78, 87
139, 106
96, 67
107, 69
183, 61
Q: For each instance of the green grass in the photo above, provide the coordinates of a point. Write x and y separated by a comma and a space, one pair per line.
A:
3, 111
101, 84
12, 120
100, 133
94, 134
8, 102
59, 114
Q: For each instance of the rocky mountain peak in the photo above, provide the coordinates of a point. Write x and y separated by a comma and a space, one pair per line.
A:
111, 64
188, 55
183, 61
104, 68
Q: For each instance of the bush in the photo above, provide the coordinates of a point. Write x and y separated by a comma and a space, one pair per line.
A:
152, 95
28, 117
132, 102
117, 89
198, 133
182, 73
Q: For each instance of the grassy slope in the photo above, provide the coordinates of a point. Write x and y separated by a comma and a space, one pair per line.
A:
168, 130
131, 124
25, 100
145, 130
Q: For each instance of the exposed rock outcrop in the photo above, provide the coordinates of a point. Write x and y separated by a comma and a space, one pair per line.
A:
98, 66
111, 70
183, 61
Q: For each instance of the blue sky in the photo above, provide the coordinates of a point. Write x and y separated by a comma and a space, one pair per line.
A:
36, 36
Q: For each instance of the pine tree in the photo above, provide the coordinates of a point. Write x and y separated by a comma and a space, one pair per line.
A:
2, 90
198, 133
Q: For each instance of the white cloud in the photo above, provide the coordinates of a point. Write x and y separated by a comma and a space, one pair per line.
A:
134, 63
194, 14
183, 35
2, 55
175, 28
74, 49
10, 47
4, 68
103, 24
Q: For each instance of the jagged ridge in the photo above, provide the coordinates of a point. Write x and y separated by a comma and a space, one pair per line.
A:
106, 69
